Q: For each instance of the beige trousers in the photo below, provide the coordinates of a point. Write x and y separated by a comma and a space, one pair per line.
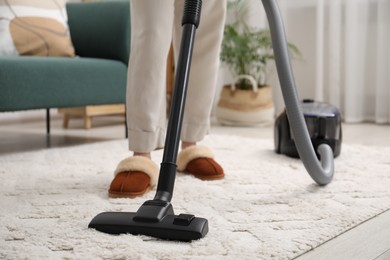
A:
154, 25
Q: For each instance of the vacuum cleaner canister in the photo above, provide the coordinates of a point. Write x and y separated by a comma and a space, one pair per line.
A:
323, 123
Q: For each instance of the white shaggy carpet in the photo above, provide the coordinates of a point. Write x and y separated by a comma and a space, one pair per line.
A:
266, 207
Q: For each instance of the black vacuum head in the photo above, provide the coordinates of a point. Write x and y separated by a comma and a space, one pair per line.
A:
323, 122
154, 218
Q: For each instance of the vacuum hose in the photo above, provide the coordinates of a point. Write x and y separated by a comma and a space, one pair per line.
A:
322, 173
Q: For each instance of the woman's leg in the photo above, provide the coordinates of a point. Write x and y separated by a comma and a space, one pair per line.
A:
199, 160
204, 67
151, 34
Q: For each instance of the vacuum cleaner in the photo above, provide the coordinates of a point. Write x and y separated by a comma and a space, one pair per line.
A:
156, 217
323, 122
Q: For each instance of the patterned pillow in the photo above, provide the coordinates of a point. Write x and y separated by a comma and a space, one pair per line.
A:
34, 27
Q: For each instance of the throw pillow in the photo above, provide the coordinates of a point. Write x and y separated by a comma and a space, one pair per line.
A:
34, 27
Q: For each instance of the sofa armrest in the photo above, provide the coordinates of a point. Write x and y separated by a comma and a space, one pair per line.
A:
100, 29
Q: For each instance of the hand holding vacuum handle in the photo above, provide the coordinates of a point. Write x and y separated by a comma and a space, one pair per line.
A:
322, 173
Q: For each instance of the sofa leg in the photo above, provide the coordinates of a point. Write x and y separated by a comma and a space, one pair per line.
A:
126, 129
87, 122
48, 121
65, 121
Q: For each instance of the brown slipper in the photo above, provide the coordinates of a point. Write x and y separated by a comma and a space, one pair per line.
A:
134, 177
199, 161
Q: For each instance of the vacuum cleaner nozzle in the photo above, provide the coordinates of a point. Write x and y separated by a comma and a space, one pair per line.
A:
154, 218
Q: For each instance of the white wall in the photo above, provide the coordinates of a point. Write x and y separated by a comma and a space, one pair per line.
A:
300, 24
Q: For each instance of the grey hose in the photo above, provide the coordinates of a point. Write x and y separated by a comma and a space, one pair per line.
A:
322, 173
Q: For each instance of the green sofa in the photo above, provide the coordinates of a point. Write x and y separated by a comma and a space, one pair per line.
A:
100, 33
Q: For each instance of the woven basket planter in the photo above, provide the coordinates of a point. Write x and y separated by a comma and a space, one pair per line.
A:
245, 107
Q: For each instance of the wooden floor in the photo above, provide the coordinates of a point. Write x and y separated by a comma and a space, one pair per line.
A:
368, 241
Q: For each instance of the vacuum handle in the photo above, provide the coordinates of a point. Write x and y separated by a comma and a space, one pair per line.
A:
321, 173
191, 14
166, 180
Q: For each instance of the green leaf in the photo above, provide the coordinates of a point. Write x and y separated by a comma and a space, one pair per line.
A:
247, 50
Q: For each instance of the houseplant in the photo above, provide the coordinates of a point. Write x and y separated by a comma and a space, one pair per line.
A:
247, 52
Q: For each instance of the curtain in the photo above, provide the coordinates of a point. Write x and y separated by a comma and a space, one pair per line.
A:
345, 47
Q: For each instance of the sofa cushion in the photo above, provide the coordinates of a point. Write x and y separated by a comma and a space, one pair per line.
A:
94, 81
34, 27
100, 29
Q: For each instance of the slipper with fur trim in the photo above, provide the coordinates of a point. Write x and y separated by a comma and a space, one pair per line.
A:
199, 161
134, 177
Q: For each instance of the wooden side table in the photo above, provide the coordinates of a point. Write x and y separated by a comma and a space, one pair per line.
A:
89, 111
